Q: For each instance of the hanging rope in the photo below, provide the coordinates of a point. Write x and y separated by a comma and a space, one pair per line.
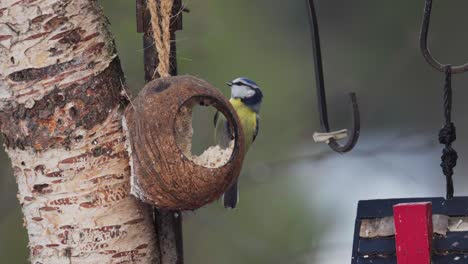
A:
447, 134
161, 11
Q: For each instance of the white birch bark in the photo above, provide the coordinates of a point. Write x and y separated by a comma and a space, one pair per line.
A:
60, 113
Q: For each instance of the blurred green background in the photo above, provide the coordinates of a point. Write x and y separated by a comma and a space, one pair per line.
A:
297, 198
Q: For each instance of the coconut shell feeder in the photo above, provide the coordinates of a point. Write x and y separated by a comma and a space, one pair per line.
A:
159, 132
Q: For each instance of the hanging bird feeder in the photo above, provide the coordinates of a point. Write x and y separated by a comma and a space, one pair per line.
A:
412, 230
418, 230
158, 123
159, 133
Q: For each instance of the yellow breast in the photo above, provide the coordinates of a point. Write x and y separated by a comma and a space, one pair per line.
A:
248, 120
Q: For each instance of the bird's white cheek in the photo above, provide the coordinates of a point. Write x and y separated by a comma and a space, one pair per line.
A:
241, 91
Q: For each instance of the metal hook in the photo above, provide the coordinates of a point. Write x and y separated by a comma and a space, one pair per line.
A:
423, 43
322, 101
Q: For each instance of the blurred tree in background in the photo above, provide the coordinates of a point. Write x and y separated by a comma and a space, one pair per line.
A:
370, 47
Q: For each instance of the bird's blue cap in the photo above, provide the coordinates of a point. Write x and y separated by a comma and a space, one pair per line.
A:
244, 81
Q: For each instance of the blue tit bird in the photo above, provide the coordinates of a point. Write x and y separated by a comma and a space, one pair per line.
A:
246, 99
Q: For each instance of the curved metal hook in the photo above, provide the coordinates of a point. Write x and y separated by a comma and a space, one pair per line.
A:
321, 96
424, 48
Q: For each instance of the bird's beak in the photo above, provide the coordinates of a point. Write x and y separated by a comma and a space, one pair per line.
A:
229, 83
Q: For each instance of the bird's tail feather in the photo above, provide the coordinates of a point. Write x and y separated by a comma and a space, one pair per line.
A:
231, 197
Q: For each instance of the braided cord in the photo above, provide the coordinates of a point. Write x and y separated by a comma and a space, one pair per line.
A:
161, 11
447, 134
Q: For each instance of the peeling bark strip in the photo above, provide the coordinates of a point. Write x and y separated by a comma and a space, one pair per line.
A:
60, 100
43, 125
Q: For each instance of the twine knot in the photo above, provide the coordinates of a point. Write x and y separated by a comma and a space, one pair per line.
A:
447, 134
449, 160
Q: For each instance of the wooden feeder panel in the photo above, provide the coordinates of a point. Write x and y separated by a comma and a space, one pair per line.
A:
377, 244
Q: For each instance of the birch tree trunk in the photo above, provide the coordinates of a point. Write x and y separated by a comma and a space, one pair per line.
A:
61, 97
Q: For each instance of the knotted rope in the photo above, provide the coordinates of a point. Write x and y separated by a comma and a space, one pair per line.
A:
447, 134
161, 11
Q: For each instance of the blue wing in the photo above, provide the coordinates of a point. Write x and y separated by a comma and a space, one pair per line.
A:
231, 197
256, 128
223, 131
223, 135
215, 119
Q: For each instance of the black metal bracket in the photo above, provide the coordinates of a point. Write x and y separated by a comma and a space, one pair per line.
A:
425, 49
321, 95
